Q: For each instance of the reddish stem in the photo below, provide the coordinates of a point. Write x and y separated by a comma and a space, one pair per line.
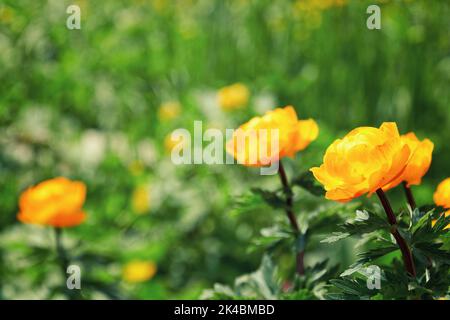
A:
406, 252
300, 265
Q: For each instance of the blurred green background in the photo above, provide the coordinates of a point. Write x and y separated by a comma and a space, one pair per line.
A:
97, 105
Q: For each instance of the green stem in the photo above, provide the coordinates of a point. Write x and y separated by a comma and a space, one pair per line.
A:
406, 252
300, 268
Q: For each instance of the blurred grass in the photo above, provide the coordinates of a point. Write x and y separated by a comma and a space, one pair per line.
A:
84, 104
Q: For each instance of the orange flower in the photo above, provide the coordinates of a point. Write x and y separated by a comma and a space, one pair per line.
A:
442, 198
419, 161
56, 202
234, 96
365, 160
442, 195
252, 144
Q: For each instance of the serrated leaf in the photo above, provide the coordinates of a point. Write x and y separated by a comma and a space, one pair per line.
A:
271, 198
349, 286
352, 269
362, 215
374, 254
307, 181
335, 236
433, 250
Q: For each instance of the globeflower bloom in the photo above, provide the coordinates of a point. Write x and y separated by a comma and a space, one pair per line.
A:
252, 144
365, 160
419, 161
139, 271
442, 195
169, 110
233, 97
442, 198
56, 202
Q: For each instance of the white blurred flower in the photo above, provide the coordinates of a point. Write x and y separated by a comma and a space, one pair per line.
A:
264, 102
34, 123
20, 152
92, 148
146, 151
120, 146
207, 102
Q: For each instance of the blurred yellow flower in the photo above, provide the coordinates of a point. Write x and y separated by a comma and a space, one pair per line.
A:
365, 160
169, 143
233, 97
310, 5
293, 135
139, 271
442, 195
169, 110
419, 161
141, 199
6, 15
56, 202
311, 10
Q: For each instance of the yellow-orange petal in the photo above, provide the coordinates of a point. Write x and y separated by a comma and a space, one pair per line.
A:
56, 202
442, 194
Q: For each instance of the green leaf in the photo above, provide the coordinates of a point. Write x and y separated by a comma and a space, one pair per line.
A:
351, 287
375, 254
433, 250
260, 284
365, 222
271, 198
335, 236
307, 181
270, 238
352, 269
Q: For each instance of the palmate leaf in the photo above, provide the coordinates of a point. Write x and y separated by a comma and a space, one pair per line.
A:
256, 199
441, 224
365, 222
376, 253
434, 251
325, 218
262, 283
425, 231
320, 272
270, 238
218, 292
366, 257
246, 203
353, 287
271, 198
335, 236
307, 182
340, 296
